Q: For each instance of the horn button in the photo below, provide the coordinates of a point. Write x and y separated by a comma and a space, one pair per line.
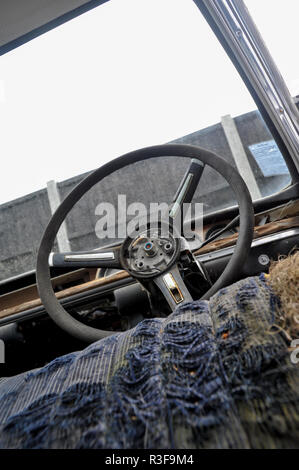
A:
150, 253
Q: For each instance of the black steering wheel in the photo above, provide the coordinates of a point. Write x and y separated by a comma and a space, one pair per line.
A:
159, 251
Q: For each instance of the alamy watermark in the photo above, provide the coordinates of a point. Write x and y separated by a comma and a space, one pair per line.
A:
129, 220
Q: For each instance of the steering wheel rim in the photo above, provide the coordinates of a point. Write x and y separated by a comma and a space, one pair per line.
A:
88, 333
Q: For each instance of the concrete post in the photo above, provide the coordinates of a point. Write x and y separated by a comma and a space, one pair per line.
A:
54, 201
239, 154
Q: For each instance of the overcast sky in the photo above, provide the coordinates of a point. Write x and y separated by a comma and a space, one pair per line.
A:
123, 76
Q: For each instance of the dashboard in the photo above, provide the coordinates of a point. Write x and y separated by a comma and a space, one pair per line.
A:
114, 301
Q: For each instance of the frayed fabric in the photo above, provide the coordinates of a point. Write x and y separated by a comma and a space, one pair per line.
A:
211, 375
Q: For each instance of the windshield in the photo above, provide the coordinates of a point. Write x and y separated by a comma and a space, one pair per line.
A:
123, 76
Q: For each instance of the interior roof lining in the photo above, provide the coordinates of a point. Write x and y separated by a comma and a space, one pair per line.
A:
22, 39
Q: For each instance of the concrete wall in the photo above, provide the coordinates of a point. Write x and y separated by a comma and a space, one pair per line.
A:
21, 225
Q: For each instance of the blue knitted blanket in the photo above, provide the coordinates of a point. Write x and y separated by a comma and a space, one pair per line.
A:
211, 375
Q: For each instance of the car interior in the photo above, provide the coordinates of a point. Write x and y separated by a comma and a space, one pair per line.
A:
94, 284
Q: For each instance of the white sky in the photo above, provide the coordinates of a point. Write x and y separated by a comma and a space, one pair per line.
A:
123, 76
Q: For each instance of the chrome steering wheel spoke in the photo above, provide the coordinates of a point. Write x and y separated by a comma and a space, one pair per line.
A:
186, 189
105, 258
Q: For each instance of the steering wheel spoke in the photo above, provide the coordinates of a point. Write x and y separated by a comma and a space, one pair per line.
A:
187, 187
173, 288
106, 258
